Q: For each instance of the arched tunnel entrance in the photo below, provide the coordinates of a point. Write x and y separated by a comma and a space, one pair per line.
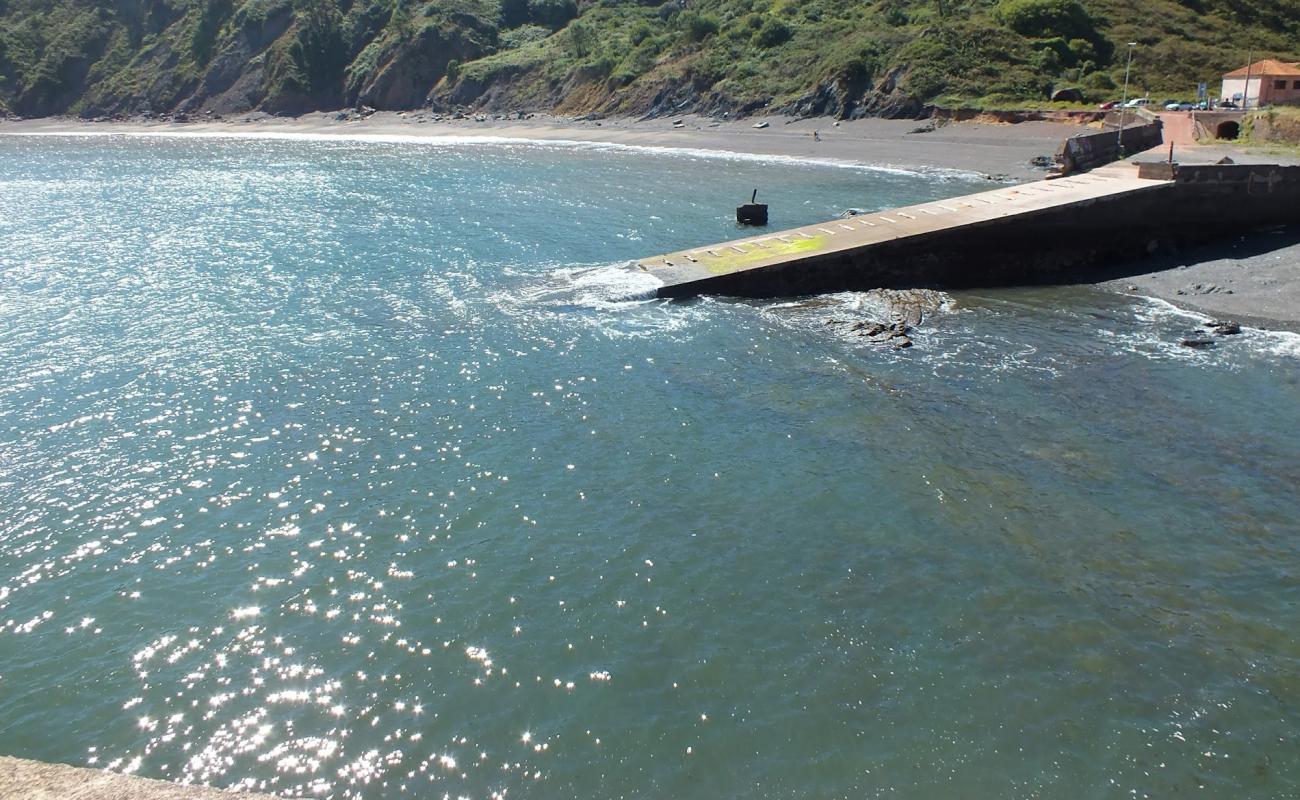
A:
1227, 130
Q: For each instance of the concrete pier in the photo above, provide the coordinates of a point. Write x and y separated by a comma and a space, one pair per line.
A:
1041, 232
21, 779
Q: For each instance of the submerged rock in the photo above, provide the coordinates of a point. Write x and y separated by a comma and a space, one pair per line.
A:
1203, 288
1198, 342
1224, 327
890, 317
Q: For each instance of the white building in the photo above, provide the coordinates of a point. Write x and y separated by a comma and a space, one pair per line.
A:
1267, 82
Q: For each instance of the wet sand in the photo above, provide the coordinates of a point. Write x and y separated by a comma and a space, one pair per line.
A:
1253, 280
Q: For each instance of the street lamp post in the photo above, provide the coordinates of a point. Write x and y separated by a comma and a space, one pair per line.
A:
1123, 106
1245, 93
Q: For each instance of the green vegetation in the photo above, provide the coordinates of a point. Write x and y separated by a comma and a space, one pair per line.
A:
629, 56
1275, 131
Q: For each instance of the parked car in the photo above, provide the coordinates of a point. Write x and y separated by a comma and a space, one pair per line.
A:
1138, 102
1175, 106
1227, 104
1108, 105
1201, 106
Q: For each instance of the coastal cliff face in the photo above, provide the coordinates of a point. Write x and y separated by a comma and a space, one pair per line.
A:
844, 58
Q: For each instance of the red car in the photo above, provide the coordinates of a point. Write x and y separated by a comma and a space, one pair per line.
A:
1107, 106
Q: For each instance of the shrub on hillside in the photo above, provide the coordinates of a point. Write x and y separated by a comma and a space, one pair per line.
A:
772, 33
925, 82
523, 35
513, 13
1047, 18
640, 33
697, 26
555, 13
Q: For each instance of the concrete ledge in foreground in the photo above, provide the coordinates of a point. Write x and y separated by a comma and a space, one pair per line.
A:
21, 779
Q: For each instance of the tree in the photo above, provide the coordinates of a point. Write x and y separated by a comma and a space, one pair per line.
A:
552, 13
582, 39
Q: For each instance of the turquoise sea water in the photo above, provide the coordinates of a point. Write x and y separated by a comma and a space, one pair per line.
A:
358, 469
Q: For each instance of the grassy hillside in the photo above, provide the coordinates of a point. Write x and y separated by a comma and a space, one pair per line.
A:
841, 57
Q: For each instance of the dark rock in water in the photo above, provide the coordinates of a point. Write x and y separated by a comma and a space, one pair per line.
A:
905, 310
1198, 342
1224, 327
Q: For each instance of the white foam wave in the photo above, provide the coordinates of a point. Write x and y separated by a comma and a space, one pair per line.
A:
608, 286
436, 139
1276, 343
1156, 341
1156, 308
615, 299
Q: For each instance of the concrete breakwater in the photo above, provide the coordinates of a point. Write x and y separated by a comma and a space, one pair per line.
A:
1043, 232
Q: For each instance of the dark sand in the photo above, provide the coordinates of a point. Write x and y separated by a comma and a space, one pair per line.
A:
1253, 279
992, 149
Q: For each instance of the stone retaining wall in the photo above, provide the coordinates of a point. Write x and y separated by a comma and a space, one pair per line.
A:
1088, 150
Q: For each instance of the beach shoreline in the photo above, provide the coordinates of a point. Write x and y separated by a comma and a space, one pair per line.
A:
1258, 286
1002, 151
1253, 280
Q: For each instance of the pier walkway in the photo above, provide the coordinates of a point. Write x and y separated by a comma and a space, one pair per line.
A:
725, 268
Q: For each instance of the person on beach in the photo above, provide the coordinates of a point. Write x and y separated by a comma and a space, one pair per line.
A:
817, 137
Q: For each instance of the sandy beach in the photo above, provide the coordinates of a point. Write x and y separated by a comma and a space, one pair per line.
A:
1255, 280
1000, 150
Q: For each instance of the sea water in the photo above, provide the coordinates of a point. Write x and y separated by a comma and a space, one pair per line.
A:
352, 468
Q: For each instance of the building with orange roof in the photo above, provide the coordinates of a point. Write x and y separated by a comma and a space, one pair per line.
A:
1267, 82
